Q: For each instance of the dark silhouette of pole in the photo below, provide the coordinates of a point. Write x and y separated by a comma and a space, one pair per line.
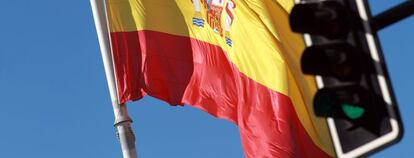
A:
393, 15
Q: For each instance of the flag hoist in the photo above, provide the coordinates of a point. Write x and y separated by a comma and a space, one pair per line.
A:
123, 122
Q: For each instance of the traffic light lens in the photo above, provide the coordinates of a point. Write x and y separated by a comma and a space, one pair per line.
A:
328, 19
324, 105
340, 60
352, 111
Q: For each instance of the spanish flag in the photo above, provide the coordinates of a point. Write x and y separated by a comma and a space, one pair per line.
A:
235, 59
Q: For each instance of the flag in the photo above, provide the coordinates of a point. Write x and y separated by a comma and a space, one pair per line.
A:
234, 59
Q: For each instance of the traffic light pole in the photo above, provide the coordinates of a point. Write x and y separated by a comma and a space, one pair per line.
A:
393, 15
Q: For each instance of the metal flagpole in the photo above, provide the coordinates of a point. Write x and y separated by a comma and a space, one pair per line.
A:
122, 120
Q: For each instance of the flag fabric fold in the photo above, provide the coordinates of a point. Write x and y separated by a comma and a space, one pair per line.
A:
234, 59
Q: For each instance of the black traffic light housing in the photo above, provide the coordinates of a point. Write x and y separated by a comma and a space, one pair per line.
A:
355, 92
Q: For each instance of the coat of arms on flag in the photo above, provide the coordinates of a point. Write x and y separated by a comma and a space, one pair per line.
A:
213, 12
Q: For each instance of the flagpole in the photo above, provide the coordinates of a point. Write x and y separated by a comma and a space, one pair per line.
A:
122, 120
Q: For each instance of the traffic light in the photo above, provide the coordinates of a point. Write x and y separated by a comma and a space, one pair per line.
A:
355, 93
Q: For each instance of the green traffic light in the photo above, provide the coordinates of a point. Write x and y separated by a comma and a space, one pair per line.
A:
342, 102
352, 111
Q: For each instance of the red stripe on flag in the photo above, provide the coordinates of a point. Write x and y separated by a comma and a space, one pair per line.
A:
181, 70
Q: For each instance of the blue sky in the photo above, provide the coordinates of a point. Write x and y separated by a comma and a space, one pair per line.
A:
55, 102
